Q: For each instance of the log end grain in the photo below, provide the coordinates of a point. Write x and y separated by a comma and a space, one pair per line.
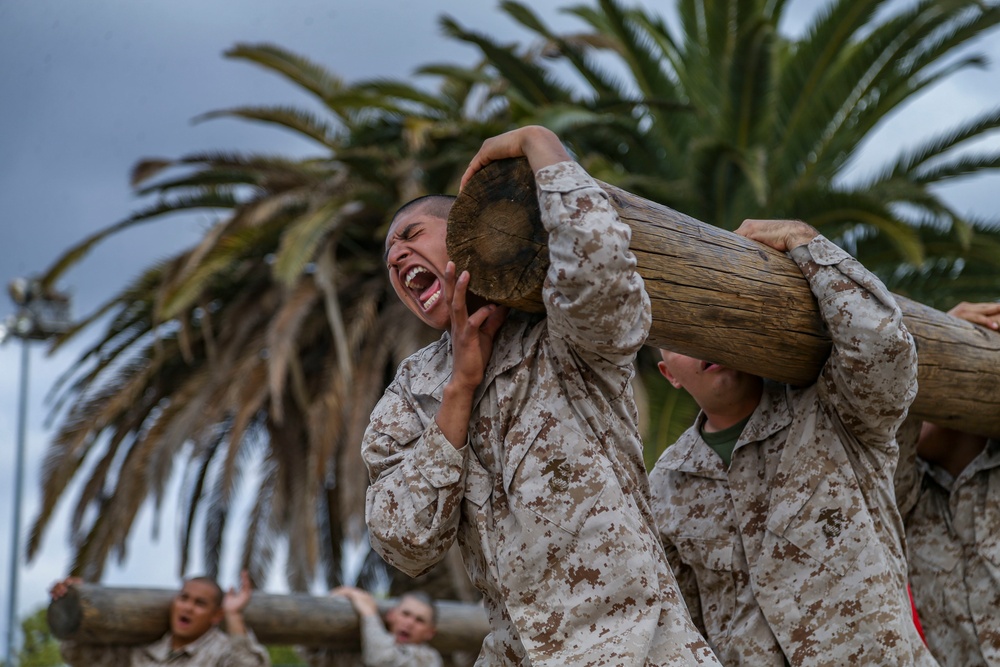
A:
495, 233
65, 615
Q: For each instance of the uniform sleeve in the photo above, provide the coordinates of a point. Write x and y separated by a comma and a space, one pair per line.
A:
594, 297
246, 651
686, 582
417, 483
379, 648
909, 473
87, 655
870, 378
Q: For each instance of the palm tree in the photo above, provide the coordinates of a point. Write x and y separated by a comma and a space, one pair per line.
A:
725, 118
262, 350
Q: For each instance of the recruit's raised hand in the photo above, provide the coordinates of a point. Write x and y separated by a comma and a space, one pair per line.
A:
472, 346
234, 602
471, 334
362, 601
60, 588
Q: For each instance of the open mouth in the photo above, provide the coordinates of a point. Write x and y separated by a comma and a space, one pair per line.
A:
424, 286
707, 366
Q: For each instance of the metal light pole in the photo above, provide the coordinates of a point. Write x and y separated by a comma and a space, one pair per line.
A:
41, 314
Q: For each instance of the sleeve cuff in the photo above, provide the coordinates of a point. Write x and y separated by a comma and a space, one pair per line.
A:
563, 177
437, 460
821, 250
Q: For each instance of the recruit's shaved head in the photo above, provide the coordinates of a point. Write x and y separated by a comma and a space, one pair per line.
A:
437, 205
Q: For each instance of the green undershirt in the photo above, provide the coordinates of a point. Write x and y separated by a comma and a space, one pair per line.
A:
724, 442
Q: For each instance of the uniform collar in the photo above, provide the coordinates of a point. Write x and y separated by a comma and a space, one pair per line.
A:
773, 414
690, 454
987, 459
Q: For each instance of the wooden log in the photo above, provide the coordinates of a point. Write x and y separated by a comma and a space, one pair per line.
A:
716, 296
92, 614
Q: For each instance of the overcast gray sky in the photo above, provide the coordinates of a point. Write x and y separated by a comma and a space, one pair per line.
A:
87, 88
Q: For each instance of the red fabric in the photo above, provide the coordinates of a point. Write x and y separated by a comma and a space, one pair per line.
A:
916, 616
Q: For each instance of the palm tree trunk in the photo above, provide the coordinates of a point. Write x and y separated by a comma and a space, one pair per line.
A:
717, 296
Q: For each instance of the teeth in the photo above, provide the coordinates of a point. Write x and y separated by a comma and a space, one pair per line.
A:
432, 300
413, 273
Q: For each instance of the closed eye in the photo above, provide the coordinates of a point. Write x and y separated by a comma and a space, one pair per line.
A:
407, 233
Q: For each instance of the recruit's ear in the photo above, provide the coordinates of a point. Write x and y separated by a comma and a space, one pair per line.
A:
665, 372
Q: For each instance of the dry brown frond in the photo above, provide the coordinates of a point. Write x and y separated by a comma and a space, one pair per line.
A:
246, 397
282, 338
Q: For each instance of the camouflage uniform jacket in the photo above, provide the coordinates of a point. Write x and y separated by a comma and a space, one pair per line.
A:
213, 649
549, 499
380, 649
953, 544
793, 555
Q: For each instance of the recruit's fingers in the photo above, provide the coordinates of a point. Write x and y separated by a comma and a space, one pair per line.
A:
495, 320
781, 235
986, 314
60, 588
494, 148
455, 289
481, 317
539, 144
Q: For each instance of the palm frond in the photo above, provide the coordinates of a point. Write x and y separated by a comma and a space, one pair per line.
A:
302, 240
298, 70
913, 162
301, 122
529, 81
78, 251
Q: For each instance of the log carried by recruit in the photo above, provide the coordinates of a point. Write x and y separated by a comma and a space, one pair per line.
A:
716, 296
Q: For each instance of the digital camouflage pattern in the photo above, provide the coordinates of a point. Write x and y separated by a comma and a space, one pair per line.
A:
953, 545
213, 649
549, 499
793, 555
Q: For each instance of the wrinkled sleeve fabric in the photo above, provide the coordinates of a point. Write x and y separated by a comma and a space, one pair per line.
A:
593, 296
870, 378
379, 648
687, 582
909, 472
417, 478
